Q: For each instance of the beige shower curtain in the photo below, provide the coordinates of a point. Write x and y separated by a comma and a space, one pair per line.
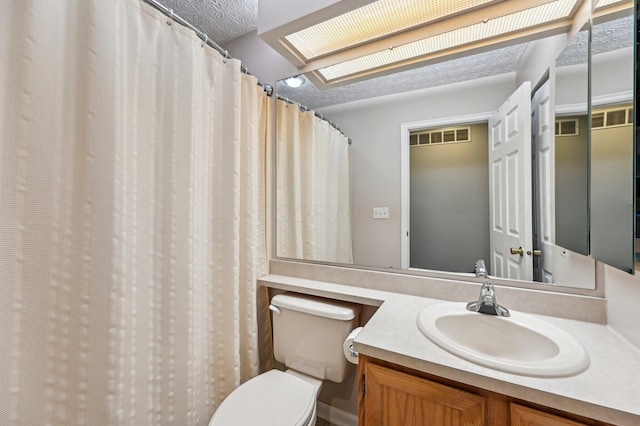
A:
131, 214
313, 187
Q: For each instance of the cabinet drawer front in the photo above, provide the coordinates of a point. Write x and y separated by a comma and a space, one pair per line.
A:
525, 416
396, 398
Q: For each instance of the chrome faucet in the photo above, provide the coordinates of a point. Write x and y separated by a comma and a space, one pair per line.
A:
481, 270
486, 303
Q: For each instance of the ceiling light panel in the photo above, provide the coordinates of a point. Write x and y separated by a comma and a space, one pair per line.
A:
470, 34
603, 3
377, 19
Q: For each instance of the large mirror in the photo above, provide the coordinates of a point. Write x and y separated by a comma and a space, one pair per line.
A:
372, 113
612, 139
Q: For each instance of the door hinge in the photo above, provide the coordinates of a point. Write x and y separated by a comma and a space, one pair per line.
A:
363, 385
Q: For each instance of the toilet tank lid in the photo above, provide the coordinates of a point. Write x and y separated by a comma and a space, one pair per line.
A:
333, 309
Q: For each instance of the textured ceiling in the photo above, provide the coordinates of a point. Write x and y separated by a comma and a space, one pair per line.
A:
612, 35
605, 37
224, 20
485, 64
221, 20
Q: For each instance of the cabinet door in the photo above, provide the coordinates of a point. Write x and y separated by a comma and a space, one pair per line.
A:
525, 416
393, 398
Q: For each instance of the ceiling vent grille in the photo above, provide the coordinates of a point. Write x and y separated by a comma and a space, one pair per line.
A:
568, 127
614, 117
440, 136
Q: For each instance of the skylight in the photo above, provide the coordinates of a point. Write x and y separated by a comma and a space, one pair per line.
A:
463, 36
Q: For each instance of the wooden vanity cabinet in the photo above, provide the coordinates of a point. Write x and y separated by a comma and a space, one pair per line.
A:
392, 395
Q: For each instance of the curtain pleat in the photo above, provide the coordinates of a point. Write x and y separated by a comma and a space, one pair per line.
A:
133, 218
313, 187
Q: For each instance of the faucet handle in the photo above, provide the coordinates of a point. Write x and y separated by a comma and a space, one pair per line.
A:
486, 303
487, 291
481, 269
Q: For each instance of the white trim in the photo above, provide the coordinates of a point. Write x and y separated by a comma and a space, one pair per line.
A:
405, 129
405, 176
612, 99
480, 117
571, 109
336, 416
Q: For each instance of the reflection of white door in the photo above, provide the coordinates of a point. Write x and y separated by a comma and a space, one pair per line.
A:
509, 186
542, 121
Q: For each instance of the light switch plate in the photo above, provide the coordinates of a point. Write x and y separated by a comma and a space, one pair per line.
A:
381, 212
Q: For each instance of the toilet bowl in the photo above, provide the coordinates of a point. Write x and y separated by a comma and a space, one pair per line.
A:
308, 334
272, 398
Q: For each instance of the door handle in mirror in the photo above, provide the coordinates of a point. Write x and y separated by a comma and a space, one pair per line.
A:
518, 250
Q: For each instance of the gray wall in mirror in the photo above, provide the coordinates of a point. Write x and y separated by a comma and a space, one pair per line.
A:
612, 146
450, 234
374, 125
571, 91
572, 204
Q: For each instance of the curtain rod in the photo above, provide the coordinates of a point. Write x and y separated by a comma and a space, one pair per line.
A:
225, 53
203, 36
304, 108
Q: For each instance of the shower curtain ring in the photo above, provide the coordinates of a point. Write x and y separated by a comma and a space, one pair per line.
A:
170, 17
205, 41
226, 56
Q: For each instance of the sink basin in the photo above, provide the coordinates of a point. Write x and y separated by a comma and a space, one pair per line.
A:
519, 344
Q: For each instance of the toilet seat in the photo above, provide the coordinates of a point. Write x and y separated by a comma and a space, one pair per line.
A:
273, 398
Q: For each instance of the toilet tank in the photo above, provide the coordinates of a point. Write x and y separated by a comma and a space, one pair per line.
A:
308, 334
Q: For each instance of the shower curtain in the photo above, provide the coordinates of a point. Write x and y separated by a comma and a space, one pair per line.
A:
132, 217
313, 187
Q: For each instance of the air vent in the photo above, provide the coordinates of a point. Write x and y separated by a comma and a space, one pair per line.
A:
568, 127
440, 136
612, 118
597, 120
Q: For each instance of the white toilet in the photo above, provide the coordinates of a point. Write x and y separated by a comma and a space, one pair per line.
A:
308, 335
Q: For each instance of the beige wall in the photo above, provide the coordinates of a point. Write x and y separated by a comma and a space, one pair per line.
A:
622, 291
612, 72
538, 57
260, 59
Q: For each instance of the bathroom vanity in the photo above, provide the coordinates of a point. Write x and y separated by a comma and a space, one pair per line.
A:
605, 392
404, 372
395, 395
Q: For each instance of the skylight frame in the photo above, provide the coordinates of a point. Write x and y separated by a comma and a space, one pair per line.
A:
376, 20
398, 56
275, 36
601, 4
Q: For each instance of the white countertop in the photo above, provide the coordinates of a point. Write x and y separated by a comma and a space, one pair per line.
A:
609, 390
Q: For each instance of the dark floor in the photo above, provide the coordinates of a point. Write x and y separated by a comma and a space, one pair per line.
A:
322, 422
